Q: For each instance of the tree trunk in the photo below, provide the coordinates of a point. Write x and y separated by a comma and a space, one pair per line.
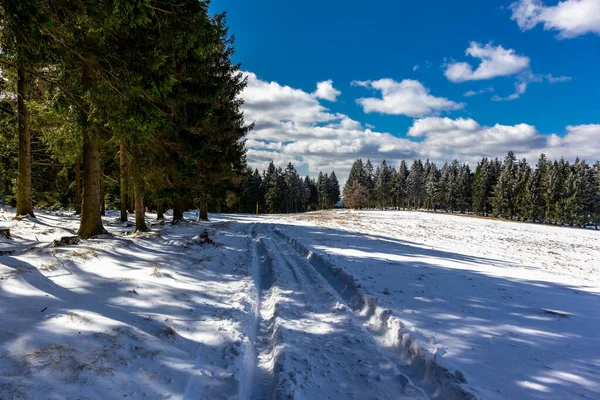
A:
138, 189
130, 195
78, 186
24, 203
177, 210
203, 212
124, 181
91, 220
102, 198
140, 215
160, 209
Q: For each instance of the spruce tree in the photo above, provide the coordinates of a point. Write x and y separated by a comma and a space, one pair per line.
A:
521, 197
400, 185
504, 201
381, 188
333, 190
481, 189
368, 181
432, 186
414, 183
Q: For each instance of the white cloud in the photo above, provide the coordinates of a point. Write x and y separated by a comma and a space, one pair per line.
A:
495, 61
571, 18
325, 90
291, 125
556, 79
466, 140
408, 97
520, 89
527, 77
471, 93
416, 67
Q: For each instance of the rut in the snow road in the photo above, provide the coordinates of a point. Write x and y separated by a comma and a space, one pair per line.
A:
308, 342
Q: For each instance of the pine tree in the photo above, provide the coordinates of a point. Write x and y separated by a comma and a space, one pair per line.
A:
368, 181
566, 192
333, 190
596, 212
381, 189
464, 188
504, 201
521, 198
400, 185
313, 195
414, 183
24, 48
481, 187
534, 205
274, 185
432, 185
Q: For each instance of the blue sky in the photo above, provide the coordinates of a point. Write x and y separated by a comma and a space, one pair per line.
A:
408, 60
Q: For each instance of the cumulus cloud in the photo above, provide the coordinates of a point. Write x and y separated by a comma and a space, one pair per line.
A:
467, 140
495, 61
325, 90
571, 18
408, 97
291, 125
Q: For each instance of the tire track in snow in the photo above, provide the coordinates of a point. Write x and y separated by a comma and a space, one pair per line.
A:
408, 354
308, 343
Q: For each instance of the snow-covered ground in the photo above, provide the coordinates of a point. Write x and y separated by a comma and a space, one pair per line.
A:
158, 315
339, 304
514, 307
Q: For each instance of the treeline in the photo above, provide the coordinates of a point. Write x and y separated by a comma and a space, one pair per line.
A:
285, 191
128, 104
557, 192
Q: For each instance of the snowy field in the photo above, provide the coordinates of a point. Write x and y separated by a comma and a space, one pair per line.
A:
339, 304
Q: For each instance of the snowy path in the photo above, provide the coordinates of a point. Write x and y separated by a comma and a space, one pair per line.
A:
510, 309
309, 344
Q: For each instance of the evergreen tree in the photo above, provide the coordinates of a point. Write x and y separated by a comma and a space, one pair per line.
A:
382, 185
432, 185
400, 185
521, 198
504, 201
274, 186
312, 194
596, 212
464, 188
414, 183
481, 187
24, 48
534, 206
368, 177
333, 190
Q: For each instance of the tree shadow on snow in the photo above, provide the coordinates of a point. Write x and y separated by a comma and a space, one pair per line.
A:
515, 337
96, 338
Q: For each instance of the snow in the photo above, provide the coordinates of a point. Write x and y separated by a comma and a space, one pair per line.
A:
137, 316
338, 304
512, 306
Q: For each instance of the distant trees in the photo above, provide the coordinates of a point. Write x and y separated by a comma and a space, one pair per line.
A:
552, 192
284, 191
